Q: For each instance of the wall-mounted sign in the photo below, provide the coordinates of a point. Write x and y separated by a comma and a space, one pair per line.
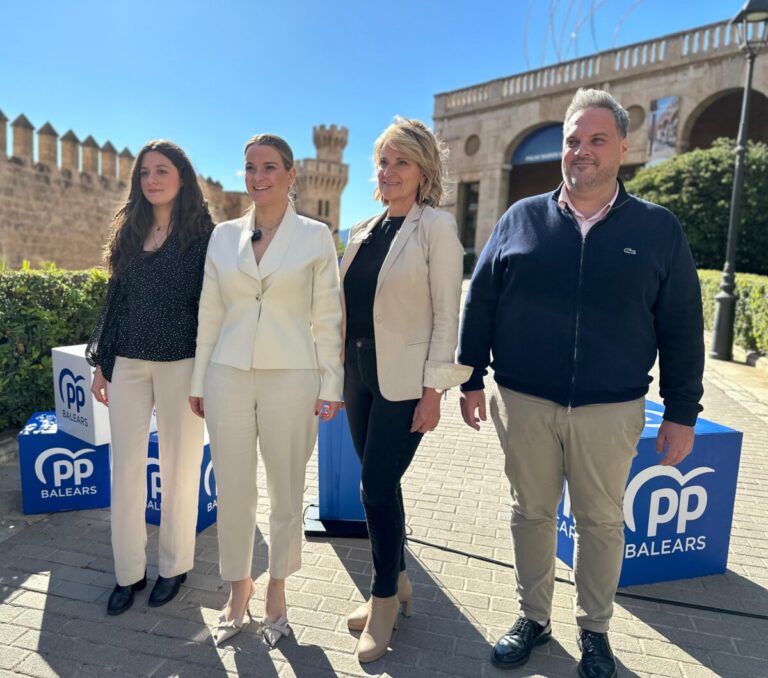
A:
662, 129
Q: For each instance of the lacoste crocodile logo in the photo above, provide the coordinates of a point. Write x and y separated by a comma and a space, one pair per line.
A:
629, 250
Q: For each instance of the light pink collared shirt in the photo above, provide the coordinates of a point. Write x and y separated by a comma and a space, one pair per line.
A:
585, 223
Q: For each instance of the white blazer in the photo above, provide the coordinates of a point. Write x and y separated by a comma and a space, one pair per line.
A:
283, 313
416, 306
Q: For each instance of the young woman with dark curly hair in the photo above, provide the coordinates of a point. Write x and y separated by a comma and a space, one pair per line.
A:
143, 348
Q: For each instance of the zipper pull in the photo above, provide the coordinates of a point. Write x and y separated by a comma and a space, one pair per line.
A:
568, 412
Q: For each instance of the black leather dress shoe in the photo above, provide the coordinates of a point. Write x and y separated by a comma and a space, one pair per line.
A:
122, 596
596, 655
165, 590
515, 646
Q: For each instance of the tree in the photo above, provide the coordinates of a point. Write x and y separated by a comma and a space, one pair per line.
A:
696, 187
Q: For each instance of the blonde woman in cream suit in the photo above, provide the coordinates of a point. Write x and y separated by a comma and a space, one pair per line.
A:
267, 366
401, 285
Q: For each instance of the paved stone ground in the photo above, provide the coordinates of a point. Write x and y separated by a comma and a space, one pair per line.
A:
56, 574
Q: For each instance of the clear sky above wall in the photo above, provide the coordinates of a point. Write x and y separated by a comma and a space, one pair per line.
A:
210, 74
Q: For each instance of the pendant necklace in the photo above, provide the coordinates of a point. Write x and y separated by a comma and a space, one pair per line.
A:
155, 231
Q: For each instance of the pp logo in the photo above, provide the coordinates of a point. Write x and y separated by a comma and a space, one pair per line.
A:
71, 467
209, 485
70, 390
154, 479
64, 469
667, 503
209, 479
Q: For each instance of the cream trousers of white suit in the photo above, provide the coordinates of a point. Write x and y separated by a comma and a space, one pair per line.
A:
592, 447
136, 387
275, 408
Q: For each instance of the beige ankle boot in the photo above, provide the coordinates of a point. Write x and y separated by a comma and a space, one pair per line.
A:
405, 594
356, 620
377, 633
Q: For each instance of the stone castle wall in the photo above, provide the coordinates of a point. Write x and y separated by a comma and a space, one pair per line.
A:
53, 214
50, 214
57, 206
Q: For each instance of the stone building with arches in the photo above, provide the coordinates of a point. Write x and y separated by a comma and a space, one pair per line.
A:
682, 91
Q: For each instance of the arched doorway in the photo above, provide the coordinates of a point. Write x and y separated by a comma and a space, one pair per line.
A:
720, 118
536, 163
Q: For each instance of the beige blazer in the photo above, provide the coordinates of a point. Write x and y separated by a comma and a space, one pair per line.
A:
283, 313
416, 307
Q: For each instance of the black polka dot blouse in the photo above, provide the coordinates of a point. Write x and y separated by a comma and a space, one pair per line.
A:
151, 308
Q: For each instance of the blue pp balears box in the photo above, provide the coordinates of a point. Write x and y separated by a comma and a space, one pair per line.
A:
338, 472
677, 519
58, 471
206, 507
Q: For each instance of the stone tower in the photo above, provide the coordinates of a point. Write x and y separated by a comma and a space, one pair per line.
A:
322, 179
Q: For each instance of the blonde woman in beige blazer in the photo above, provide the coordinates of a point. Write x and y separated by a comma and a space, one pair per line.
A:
401, 288
267, 366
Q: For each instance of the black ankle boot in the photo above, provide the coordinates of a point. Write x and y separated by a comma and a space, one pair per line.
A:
122, 596
165, 590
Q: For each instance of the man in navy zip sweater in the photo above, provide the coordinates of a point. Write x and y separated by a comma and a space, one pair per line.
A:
571, 299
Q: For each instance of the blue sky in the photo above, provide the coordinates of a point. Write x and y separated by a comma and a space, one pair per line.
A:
211, 74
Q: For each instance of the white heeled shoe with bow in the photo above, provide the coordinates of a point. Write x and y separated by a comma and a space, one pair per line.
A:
273, 631
228, 628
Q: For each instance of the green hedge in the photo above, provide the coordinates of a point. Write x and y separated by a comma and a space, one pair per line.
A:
696, 187
751, 327
40, 309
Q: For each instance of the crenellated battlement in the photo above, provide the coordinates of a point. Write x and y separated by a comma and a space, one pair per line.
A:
57, 205
322, 179
330, 142
64, 153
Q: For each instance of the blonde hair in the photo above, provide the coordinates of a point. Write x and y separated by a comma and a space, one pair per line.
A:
420, 145
278, 143
284, 151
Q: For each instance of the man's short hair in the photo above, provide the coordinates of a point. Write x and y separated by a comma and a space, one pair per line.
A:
599, 98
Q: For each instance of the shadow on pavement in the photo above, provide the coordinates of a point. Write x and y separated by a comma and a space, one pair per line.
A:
729, 644
441, 638
56, 576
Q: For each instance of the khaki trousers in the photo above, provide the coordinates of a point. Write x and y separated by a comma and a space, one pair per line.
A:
137, 386
592, 447
275, 408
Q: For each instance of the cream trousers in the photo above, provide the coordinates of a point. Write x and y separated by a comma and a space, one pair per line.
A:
137, 386
275, 408
592, 447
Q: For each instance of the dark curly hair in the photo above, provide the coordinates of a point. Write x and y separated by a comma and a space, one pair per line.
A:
133, 221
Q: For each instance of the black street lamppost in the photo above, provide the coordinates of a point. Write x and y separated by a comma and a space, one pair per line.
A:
752, 32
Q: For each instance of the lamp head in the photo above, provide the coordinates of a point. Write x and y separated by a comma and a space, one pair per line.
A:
752, 26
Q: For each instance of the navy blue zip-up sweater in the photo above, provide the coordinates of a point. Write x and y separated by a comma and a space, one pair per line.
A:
578, 320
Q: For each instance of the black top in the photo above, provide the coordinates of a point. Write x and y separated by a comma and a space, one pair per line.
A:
362, 275
151, 307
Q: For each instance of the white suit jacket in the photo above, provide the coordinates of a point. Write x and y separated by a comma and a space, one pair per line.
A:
416, 307
283, 313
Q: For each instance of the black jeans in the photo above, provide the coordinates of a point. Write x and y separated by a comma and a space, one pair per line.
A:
381, 434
